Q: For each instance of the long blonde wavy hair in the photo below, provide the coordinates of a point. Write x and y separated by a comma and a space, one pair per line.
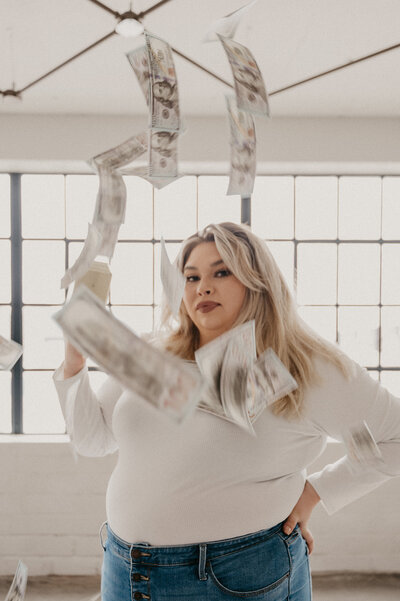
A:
268, 301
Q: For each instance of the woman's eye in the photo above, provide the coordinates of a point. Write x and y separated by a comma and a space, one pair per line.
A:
192, 278
223, 273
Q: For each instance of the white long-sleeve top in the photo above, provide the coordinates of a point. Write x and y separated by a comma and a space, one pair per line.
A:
207, 479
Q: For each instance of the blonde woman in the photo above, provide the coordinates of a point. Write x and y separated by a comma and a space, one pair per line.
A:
203, 510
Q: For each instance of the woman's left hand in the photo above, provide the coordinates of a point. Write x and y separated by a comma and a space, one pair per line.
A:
301, 513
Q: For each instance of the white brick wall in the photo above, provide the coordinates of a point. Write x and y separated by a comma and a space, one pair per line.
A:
52, 506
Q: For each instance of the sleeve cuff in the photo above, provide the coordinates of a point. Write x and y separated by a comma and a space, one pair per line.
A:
58, 376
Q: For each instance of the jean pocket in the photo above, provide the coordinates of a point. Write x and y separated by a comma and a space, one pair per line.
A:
260, 571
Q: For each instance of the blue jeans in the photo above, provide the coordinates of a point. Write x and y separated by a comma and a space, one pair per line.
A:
267, 565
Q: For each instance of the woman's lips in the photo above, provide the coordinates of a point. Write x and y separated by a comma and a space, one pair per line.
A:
207, 307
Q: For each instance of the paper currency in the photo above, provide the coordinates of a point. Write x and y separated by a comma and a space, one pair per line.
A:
10, 352
18, 585
210, 359
164, 100
163, 154
157, 377
123, 154
233, 383
97, 279
90, 250
243, 150
109, 234
140, 63
157, 182
269, 380
173, 281
251, 94
227, 25
362, 449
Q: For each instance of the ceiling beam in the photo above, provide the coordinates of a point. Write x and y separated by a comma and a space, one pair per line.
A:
105, 7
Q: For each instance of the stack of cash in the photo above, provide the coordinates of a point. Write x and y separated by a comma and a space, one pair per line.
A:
10, 352
159, 378
154, 67
240, 386
18, 586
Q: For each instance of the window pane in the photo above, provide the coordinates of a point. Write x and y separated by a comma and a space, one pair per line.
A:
316, 274
390, 208
283, 253
5, 404
359, 333
139, 210
43, 338
175, 209
391, 273
391, 381
80, 194
390, 336
316, 207
41, 411
5, 226
360, 208
138, 319
132, 274
42, 206
359, 269
213, 204
272, 207
5, 271
172, 250
322, 320
5, 322
42, 269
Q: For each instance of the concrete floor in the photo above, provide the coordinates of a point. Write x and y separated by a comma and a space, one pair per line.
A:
333, 587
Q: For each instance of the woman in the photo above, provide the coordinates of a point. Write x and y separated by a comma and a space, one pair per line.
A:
202, 510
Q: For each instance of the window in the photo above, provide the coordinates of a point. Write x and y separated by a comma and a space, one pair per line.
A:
336, 240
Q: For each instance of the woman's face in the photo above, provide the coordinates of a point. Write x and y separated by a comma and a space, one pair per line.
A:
213, 296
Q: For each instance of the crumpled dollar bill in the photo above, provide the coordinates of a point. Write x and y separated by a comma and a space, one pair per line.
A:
10, 352
251, 95
18, 585
243, 150
157, 377
227, 25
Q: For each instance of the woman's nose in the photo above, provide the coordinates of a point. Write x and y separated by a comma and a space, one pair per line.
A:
204, 287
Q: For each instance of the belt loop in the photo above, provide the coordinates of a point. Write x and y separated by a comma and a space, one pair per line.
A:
202, 561
101, 534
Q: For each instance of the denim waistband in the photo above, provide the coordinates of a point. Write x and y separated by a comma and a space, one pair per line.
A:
170, 554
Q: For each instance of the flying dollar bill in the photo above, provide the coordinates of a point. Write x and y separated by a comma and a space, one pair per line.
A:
163, 154
91, 248
173, 281
158, 182
361, 447
164, 99
243, 150
158, 377
140, 63
251, 95
18, 585
227, 25
269, 381
10, 352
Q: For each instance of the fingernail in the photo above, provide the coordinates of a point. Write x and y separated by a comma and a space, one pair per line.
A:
287, 530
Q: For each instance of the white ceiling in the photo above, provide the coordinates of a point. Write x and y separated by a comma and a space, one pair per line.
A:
290, 39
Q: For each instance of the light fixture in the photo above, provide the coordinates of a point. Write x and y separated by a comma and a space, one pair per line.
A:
11, 97
129, 26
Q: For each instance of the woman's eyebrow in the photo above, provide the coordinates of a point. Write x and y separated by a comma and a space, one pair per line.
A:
211, 265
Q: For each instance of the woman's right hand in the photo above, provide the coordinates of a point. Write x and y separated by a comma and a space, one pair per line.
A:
74, 360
